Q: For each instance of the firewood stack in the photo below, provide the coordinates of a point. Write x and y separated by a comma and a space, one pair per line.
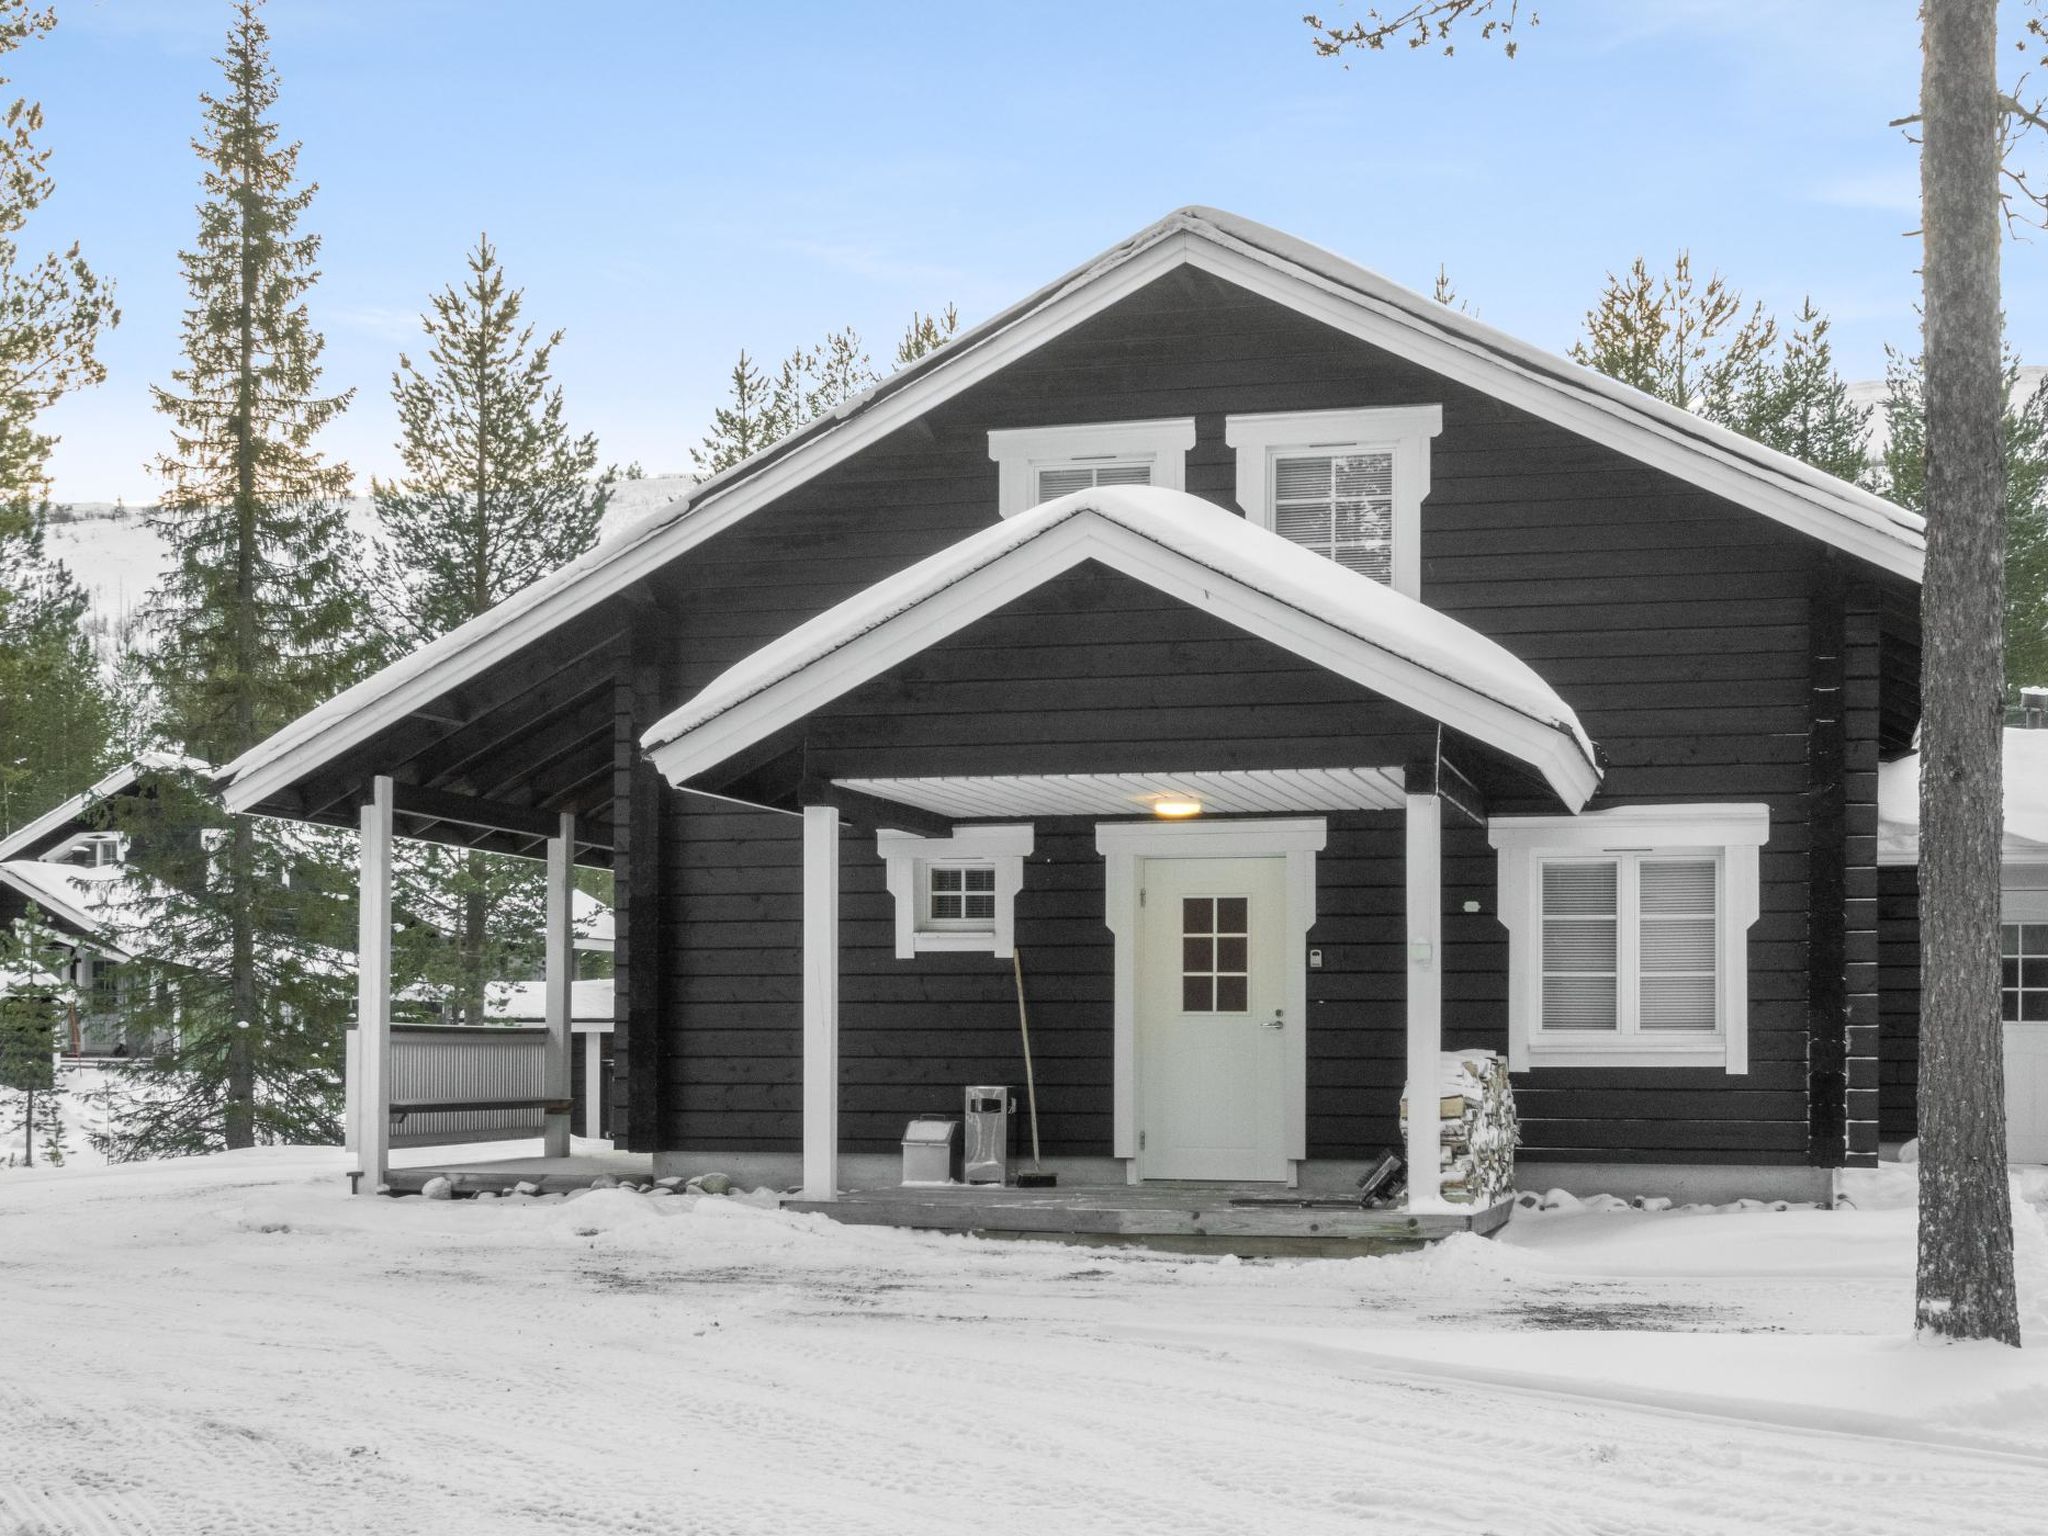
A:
1476, 1108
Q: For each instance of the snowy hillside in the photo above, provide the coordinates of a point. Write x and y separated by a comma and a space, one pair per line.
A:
1871, 392
118, 557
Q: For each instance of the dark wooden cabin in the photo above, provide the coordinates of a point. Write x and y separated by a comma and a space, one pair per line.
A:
1555, 715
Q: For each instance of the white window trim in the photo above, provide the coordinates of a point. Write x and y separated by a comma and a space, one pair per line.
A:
905, 855
1405, 430
1021, 452
1732, 833
1122, 845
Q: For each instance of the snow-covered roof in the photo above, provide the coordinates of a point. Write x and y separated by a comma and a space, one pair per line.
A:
1182, 545
2026, 803
28, 839
590, 1001
1262, 260
98, 905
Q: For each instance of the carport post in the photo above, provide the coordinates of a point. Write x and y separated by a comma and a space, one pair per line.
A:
561, 975
821, 1002
373, 991
1425, 1000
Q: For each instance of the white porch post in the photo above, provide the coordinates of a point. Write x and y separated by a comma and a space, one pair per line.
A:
560, 974
373, 992
821, 1002
1425, 1000
593, 1084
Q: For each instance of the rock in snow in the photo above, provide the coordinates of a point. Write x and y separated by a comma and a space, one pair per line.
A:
438, 1188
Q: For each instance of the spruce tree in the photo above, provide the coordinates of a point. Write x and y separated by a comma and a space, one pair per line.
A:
811, 382
1903, 477
496, 492
53, 308
1793, 400
257, 621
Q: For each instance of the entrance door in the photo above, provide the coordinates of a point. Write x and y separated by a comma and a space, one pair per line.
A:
1211, 1025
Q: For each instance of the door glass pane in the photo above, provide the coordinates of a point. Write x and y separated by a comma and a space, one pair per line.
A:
1215, 954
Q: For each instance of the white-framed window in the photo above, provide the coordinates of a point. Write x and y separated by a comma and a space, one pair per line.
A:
957, 892
1628, 934
1036, 464
1347, 484
2023, 950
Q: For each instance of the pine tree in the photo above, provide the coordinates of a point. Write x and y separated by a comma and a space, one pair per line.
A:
496, 492
53, 714
257, 621
1687, 343
926, 334
1903, 478
36, 1001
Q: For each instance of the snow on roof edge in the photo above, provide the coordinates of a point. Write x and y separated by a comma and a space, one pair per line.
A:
23, 837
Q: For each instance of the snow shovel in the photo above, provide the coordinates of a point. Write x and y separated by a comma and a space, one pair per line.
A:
1038, 1177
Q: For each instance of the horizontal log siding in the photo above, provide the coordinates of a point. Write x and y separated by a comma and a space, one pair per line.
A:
1898, 1002
1676, 625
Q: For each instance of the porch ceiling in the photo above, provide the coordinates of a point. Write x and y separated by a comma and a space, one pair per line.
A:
1125, 794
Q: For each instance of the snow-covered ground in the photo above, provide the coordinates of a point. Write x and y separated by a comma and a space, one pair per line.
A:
231, 1343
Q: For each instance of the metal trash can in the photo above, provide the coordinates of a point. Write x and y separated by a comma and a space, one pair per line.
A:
930, 1151
986, 1159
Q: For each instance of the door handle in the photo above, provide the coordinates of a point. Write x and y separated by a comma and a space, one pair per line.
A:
1279, 1019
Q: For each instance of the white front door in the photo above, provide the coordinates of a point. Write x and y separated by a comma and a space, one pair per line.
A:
1212, 1029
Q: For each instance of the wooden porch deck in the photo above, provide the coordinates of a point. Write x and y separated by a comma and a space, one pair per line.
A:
1252, 1220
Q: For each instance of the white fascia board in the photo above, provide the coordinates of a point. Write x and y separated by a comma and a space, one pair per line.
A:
1627, 826
1626, 429
1025, 567
415, 681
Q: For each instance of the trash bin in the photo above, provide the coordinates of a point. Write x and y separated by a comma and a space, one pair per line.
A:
986, 1159
929, 1151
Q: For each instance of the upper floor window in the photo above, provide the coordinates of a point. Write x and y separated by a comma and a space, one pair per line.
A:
1347, 484
1036, 464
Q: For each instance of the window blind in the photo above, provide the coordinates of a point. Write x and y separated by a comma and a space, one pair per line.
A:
1065, 479
1581, 946
1341, 505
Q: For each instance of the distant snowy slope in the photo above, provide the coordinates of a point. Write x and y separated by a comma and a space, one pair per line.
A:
118, 558
1871, 392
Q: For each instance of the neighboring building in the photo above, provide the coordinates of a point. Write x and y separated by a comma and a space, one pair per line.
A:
69, 864
2023, 933
1296, 675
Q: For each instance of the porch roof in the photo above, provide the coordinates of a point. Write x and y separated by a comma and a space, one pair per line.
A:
1191, 550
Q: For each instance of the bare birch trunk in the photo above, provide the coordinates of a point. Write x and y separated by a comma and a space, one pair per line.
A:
1965, 1280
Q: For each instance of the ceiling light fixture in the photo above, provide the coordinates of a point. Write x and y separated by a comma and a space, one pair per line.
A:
1176, 809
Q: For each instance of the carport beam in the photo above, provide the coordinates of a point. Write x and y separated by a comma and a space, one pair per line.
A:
1425, 1000
560, 984
373, 991
821, 1002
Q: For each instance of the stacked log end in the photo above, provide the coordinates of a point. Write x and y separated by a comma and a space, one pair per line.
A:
1476, 1109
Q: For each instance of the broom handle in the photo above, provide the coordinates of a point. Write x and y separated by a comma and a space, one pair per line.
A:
1024, 1029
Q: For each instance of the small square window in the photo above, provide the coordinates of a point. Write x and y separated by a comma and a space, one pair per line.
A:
960, 895
2023, 995
1215, 951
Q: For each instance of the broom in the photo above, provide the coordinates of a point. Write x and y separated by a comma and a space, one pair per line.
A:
1038, 1177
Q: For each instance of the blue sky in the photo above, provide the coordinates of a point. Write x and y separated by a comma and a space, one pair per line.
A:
670, 182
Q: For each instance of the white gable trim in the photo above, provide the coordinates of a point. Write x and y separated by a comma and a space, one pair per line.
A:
681, 751
1459, 348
